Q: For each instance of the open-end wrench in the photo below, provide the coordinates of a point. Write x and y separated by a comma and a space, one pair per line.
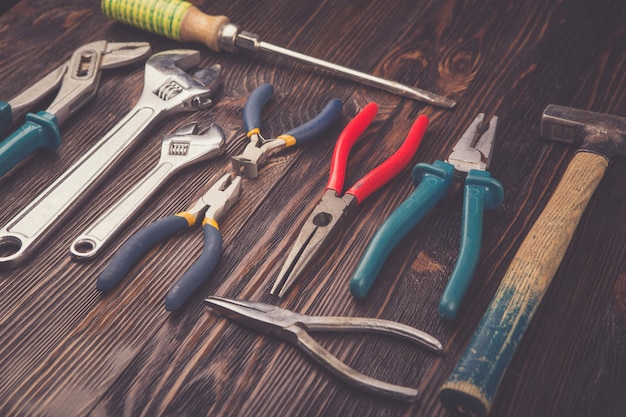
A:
168, 89
182, 148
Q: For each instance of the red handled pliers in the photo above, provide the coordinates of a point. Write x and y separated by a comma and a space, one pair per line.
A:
333, 208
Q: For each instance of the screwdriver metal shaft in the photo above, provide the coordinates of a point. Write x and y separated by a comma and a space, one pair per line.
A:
180, 20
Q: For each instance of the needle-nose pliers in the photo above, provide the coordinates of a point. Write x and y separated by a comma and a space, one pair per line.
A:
212, 206
255, 153
292, 327
471, 155
334, 207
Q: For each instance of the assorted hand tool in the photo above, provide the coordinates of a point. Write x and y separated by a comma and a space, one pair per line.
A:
474, 382
470, 157
179, 150
168, 89
213, 205
294, 328
255, 153
77, 81
179, 20
329, 215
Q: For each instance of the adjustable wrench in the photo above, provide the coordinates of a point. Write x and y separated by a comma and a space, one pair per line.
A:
168, 89
179, 150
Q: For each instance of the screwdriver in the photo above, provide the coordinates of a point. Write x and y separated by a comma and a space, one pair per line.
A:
181, 21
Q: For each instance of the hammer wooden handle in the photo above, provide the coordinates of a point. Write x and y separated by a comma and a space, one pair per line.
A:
471, 387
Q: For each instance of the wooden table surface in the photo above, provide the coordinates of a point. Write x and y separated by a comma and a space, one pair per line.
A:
68, 350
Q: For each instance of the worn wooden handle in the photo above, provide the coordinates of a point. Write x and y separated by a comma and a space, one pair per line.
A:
471, 387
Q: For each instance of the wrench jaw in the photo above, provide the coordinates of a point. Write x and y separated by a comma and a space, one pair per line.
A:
186, 146
170, 88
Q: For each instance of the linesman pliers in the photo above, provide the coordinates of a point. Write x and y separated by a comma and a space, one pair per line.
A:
293, 328
255, 153
471, 155
77, 80
212, 206
331, 211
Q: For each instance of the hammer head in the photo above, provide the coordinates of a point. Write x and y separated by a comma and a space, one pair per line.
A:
600, 133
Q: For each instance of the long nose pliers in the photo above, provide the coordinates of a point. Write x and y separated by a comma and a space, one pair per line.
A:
211, 206
471, 155
256, 151
77, 81
330, 213
294, 328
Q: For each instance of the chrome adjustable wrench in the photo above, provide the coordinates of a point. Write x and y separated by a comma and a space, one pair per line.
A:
168, 89
179, 150
77, 81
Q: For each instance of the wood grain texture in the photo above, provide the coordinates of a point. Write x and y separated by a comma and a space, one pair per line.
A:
67, 350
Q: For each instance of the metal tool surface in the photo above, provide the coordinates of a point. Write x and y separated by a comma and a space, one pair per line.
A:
294, 328
471, 387
179, 150
180, 20
77, 81
168, 89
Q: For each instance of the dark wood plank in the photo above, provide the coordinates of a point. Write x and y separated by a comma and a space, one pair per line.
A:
67, 350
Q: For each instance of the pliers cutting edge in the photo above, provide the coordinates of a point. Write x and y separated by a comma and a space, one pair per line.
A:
471, 155
212, 206
77, 80
333, 208
255, 153
293, 328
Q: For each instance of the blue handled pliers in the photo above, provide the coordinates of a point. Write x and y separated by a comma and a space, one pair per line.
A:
212, 206
471, 155
77, 81
255, 153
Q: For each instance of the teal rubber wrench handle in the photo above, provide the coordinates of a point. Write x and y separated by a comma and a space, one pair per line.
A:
481, 192
434, 181
199, 272
41, 130
6, 116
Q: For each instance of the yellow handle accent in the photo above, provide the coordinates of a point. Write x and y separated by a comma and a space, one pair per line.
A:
212, 222
289, 140
191, 219
174, 19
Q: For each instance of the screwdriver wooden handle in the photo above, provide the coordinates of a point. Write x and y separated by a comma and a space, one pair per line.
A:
471, 387
174, 19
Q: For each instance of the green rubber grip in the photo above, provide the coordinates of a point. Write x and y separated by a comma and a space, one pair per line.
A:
481, 192
434, 180
39, 131
163, 17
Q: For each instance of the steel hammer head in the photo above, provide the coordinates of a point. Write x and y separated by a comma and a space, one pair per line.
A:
599, 133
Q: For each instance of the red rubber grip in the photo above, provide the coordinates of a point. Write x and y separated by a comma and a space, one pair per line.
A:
346, 139
384, 172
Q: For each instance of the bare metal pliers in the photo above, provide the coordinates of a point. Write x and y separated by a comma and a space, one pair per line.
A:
292, 327
210, 207
77, 81
469, 159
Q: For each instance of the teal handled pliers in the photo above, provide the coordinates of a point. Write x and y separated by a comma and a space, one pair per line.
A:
212, 206
471, 155
257, 150
77, 81
294, 328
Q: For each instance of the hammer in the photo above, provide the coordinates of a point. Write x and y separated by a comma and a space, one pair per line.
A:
471, 387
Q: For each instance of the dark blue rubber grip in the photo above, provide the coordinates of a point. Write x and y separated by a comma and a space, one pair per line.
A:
199, 272
40, 131
6, 116
252, 110
136, 247
322, 122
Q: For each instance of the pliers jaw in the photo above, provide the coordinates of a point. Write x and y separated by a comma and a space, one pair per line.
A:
247, 164
473, 150
218, 199
320, 227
